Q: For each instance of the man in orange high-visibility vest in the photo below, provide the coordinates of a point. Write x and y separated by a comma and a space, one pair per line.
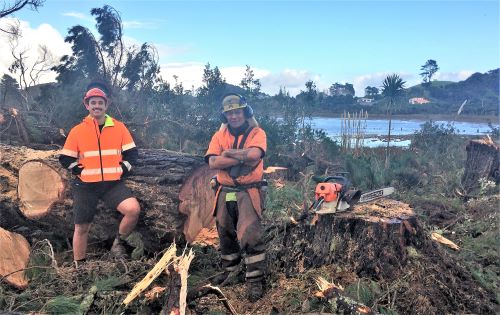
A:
236, 151
99, 152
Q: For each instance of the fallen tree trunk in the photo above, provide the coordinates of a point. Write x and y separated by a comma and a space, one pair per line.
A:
42, 196
482, 162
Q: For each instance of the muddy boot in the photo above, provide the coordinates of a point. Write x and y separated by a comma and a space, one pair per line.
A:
255, 291
118, 249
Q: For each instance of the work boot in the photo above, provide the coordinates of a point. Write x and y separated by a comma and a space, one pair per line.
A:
255, 291
118, 249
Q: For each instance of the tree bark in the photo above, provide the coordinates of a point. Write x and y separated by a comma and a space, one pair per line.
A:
45, 198
371, 239
482, 162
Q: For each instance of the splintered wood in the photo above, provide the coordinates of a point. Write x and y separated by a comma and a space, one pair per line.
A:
340, 303
443, 240
152, 274
180, 266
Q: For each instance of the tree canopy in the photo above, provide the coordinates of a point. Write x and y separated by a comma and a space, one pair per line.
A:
428, 70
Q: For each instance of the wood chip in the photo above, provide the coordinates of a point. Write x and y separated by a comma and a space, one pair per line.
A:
443, 240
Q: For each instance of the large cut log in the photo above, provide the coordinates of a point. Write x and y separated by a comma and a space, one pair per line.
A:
41, 184
14, 257
371, 239
482, 162
161, 181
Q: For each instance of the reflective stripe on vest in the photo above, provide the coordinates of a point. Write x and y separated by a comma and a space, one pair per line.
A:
95, 153
69, 153
106, 170
128, 146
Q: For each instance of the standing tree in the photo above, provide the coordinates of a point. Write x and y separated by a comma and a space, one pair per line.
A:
250, 84
371, 91
209, 97
428, 70
306, 100
107, 57
392, 87
8, 87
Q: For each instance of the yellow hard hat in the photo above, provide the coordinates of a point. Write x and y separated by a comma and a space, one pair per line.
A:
233, 101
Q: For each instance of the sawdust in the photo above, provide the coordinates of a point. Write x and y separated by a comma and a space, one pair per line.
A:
207, 237
382, 209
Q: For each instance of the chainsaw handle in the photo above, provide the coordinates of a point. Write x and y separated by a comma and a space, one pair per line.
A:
339, 179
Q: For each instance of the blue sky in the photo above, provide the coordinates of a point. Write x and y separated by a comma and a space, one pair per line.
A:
290, 42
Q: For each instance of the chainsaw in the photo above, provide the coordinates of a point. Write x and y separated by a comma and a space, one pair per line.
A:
334, 194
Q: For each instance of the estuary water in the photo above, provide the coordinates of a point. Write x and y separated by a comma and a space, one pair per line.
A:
377, 128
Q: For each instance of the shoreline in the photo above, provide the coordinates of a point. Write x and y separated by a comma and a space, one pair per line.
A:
426, 117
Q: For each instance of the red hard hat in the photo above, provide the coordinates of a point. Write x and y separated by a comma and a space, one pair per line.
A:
95, 92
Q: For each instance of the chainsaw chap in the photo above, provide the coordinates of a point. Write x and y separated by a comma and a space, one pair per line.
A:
240, 230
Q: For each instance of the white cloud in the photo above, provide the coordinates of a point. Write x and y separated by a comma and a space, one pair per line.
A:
453, 76
191, 74
293, 80
78, 15
376, 79
166, 51
31, 38
140, 25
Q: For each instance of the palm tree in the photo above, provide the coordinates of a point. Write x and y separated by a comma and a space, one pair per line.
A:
392, 87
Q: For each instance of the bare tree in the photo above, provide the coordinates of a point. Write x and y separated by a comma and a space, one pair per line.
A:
28, 72
14, 6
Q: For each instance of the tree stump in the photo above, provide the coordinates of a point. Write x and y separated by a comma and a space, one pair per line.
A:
482, 162
371, 239
14, 257
160, 181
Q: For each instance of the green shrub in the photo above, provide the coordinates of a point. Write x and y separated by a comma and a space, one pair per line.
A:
282, 202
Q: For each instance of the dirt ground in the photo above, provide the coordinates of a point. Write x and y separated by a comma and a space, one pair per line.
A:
432, 283
436, 279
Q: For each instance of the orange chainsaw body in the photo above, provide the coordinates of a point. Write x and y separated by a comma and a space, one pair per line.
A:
329, 191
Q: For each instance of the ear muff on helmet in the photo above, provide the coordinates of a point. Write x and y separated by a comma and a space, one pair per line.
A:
234, 101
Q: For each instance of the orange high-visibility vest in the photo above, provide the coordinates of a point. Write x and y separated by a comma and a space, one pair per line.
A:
99, 152
223, 140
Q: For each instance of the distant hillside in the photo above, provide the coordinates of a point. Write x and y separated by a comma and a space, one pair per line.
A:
481, 90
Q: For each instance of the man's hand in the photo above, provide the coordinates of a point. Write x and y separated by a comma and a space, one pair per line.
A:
250, 156
77, 169
220, 162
